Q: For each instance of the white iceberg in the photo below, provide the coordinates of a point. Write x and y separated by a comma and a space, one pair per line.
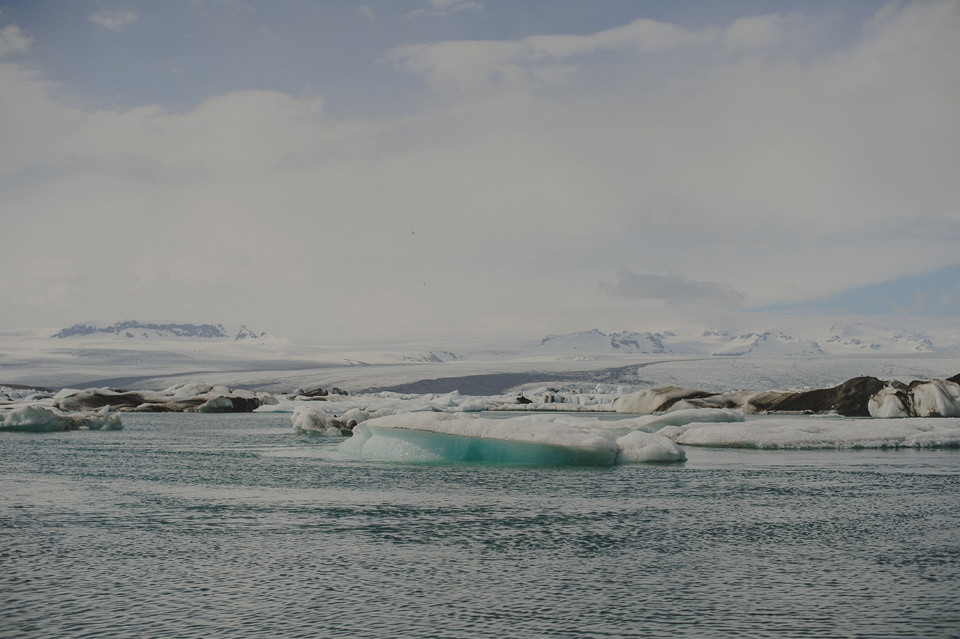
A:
40, 419
308, 421
639, 447
35, 419
937, 398
934, 398
890, 402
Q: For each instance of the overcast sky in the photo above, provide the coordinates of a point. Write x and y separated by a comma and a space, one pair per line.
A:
414, 169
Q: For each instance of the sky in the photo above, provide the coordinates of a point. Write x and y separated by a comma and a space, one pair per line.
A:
404, 170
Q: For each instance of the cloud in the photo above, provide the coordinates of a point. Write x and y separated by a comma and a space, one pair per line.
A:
117, 20
530, 171
13, 40
526, 62
755, 32
533, 61
235, 132
363, 11
443, 7
641, 36
672, 289
455, 5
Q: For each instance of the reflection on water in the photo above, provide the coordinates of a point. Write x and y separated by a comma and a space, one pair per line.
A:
212, 525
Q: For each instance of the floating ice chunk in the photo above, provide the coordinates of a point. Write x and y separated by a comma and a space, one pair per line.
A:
10, 394
821, 433
937, 398
653, 423
537, 440
889, 402
654, 400
403, 444
39, 419
103, 419
308, 421
640, 447
35, 419
216, 405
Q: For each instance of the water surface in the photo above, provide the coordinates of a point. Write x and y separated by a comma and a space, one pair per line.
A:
192, 525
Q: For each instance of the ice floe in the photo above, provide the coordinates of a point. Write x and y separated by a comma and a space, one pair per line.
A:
813, 433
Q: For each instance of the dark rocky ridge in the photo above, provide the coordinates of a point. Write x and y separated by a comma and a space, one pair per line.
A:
133, 328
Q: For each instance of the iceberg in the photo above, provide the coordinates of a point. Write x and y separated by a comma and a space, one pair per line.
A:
198, 396
653, 423
34, 419
856, 397
934, 398
937, 398
39, 419
541, 440
307, 421
889, 402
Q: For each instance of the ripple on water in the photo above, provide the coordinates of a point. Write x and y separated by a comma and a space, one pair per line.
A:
191, 532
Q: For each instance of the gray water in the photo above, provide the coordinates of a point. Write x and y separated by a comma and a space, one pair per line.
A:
231, 526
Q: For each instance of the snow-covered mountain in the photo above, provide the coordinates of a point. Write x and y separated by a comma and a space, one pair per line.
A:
434, 357
595, 342
841, 338
135, 330
857, 336
708, 342
768, 343
846, 338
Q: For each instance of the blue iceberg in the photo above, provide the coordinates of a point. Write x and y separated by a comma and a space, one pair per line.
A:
529, 440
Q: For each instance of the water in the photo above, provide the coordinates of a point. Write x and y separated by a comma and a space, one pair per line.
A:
213, 526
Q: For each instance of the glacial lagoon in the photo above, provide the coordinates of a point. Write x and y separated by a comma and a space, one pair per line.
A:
189, 525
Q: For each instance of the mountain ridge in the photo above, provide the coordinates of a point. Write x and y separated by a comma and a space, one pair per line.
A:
842, 337
134, 329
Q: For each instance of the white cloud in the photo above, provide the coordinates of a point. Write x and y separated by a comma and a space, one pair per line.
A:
13, 40
117, 20
533, 61
455, 5
642, 36
443, 7
754, 32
